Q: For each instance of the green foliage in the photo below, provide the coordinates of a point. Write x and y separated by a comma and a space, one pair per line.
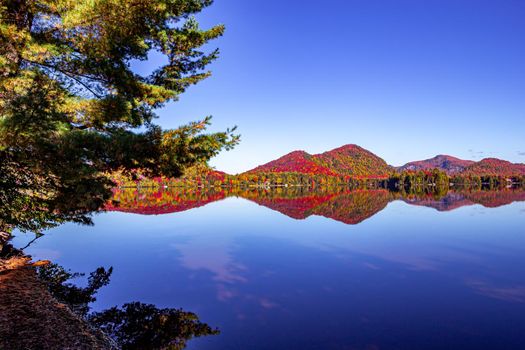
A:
37, 195
346, 161
87, 48
70, 105
56, 278
135, 325
408, 179
186, 147
66, 80
144, 326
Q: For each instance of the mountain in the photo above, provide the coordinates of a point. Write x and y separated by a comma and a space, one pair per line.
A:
352, 160
449, 164
348, 160
494, 166
453, 166
296, 161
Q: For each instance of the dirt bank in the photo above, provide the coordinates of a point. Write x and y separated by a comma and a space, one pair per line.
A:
30, 318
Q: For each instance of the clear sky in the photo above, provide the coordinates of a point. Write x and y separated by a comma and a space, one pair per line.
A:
406, 79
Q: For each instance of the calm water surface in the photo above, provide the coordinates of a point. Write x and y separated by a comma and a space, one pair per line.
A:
345, 271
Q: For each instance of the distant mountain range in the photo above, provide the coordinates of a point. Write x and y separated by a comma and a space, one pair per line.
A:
451, 165
355, 161
494, 166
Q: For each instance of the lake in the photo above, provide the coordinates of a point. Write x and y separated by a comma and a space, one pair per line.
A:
325, 269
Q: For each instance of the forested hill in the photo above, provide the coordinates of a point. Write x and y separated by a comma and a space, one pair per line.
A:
348, 160
455, 166
296, 162
356, 162
451, 165
349, 163
494, 166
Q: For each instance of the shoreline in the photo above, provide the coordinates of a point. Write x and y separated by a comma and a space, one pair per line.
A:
31, 318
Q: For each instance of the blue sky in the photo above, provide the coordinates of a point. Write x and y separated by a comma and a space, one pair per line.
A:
406, 79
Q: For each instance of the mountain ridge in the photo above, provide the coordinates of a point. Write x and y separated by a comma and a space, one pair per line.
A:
450, 164
347, 160
351, 160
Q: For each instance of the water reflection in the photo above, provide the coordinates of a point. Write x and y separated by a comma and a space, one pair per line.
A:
38, 194
399, 280
343, 204
407, 276
29, 316
135, 325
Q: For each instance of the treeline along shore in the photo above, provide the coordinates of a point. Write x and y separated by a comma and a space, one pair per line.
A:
396, 180
348, 165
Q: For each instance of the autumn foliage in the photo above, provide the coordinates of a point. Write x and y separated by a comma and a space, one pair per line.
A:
153, 201
451, 165
347, 165
349, 160
296, 161
338, 203
495, 167
455, 166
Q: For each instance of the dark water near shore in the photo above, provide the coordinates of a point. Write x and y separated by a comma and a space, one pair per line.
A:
292, 269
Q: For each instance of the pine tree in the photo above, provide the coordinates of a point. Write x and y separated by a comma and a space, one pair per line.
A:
71, 106
66, 83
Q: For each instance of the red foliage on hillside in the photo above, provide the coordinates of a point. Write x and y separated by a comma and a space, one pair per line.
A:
456, 166
348, 160
354, 161
495, 167
296, 161
449, 164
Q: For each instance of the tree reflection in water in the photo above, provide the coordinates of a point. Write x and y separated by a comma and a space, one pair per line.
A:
350, 206
35, 203
134, 325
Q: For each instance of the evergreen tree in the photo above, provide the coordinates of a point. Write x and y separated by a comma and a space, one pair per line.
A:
66, 85
71, 107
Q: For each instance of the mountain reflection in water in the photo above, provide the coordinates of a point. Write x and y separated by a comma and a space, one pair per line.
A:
342, 204
413, 277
